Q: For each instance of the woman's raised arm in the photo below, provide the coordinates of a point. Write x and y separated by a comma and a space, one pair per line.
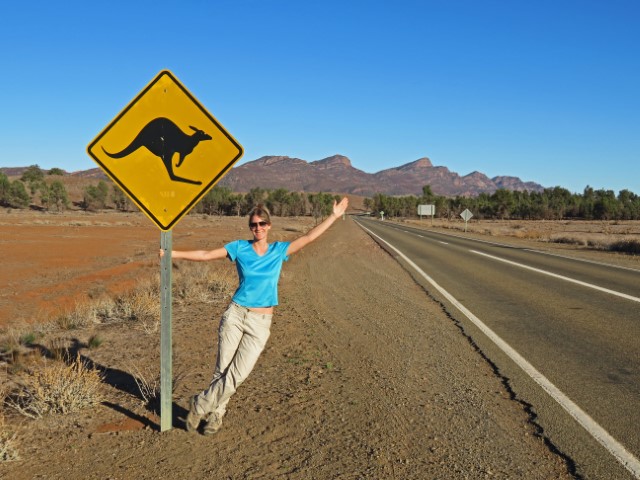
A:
315, 232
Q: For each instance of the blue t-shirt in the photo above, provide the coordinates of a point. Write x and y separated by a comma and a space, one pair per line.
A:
258, 275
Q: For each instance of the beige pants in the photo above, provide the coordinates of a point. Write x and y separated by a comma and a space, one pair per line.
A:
242, 336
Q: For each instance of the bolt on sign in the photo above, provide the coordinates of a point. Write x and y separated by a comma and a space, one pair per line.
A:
165, 150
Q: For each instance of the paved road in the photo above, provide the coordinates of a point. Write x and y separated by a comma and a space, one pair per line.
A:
576, 323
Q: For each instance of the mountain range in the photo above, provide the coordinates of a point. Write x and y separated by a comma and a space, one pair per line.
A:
335, 174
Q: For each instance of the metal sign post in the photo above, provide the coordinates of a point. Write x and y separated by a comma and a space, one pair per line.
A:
427, 210
166, 347
466, 216
144, 151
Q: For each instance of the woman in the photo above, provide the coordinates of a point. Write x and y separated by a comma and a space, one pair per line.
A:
245, 325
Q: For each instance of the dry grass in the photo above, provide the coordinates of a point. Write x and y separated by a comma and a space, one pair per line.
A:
148, 382
626, 246
8, 443
204, 282
61, 384
55, 387
140, 304
612, 236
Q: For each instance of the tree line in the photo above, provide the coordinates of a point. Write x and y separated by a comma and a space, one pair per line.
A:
20, 193
35, 189
550, 204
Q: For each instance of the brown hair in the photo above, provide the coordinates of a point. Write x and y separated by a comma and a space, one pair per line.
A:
260, 211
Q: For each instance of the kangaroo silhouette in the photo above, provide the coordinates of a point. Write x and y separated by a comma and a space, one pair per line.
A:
164, 139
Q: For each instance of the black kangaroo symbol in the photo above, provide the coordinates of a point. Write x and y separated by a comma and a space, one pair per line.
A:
164, 138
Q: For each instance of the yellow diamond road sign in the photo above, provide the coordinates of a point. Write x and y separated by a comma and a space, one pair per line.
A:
165, 150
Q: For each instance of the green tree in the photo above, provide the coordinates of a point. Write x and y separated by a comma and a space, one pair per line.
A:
629, 205
238, 204
298, 204
605, 206
18, 196
58, 197
56, 171
5, 189
321, 204
427, 194
278, 201
255, 196
217, 201
502, 203
118, 198
95, 197
32, 174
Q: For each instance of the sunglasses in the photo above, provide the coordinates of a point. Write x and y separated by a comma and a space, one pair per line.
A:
255, 224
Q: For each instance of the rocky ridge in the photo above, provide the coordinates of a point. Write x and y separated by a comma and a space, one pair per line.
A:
337, 174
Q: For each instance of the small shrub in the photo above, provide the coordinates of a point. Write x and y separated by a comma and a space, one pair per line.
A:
205, 283
94, 341
27, 339
56, 387
530, 234
8, 448
58, 350
83, 315
626, 246
597, 244
568, 240
142, 305
148, 383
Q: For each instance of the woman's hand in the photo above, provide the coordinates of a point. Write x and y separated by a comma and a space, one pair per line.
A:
340, 208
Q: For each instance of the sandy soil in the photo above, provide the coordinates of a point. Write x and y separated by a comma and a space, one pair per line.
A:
364, 376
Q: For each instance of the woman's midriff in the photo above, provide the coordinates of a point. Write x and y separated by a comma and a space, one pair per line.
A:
262, 310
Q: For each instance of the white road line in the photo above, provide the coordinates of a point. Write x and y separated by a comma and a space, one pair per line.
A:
533, 250
615, 448
561, 277
593, 262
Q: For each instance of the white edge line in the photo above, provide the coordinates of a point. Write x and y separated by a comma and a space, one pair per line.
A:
533, 250
561, 277
624, 457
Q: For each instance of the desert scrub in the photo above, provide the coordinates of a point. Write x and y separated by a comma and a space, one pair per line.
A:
56, 387
631, 247
8, 448
140, 303
94, 341
204, 282
568, 240
148, 383
28, 338
82, 315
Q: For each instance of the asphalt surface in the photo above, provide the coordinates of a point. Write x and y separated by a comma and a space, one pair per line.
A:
576, 323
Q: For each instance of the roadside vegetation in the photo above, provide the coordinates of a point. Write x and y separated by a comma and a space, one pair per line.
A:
48, 191
46, 371
551, 204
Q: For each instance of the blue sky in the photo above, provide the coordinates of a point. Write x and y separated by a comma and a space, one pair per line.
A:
548, 91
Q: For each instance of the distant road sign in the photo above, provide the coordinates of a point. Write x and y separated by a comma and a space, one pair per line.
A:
466, 215
426, 209
165, 150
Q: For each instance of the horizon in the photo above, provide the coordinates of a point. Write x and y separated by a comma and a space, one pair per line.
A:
524, 181
544, 92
